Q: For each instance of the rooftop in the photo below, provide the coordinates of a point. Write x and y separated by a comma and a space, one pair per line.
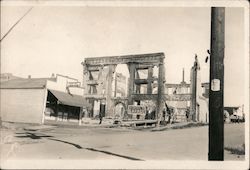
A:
69, 99
30, 83
7, 77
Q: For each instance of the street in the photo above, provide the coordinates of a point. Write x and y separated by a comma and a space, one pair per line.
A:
117, 143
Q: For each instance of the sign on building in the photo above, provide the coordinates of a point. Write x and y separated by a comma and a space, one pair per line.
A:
73, 84
137, 112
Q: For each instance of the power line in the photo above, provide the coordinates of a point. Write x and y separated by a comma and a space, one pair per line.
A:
15, 24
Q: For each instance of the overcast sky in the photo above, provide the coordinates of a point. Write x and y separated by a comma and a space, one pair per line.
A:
57, 39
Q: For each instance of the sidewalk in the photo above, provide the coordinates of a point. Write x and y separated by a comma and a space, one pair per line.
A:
180, 125
94, 123
11, 126
88, 122
39, 127
109, 123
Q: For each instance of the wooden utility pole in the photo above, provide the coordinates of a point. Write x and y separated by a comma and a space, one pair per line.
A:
216, 103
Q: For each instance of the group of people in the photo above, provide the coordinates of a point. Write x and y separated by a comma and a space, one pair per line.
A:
168, 114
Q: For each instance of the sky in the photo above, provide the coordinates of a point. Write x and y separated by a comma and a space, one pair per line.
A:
56, 39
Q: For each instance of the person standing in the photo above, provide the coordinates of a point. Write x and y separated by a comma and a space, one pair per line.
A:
102, 112
168, 112
100, 117
164, 114
187, 115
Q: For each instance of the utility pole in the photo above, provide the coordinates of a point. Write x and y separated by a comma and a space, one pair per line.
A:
216, 87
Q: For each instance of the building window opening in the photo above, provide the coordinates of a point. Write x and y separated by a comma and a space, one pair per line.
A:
93, 89
142, 74
155, 71
93, 75
143, 89
120, 82
154, 87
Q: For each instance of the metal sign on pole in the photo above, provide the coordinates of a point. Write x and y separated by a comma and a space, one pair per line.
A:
216, 90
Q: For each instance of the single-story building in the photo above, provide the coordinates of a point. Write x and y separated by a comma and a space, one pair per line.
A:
231, 109
35, 100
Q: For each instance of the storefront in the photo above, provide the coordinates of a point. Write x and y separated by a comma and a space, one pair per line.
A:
36, 100
64, 107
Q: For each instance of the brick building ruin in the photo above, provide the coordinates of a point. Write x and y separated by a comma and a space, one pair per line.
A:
98, 74
148, 89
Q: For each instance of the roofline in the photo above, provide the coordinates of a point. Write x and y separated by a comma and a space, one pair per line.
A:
33, 78
232, 106
44, 87
66, 77
76, 87
123, 56
65, 92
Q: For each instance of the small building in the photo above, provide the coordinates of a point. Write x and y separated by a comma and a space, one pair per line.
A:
234, 113
231, 109
235, 110
36, 100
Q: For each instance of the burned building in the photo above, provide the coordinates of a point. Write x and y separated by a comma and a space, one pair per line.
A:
189, 101
180, 98
98, 73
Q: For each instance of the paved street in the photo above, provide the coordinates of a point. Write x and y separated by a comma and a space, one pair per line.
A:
116, 143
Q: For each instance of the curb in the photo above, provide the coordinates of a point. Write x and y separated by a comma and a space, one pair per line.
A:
35, 128
183, 126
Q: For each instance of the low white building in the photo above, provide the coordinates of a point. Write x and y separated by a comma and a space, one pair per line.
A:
35, 100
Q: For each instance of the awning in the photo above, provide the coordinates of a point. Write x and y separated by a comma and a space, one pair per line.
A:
69, 99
